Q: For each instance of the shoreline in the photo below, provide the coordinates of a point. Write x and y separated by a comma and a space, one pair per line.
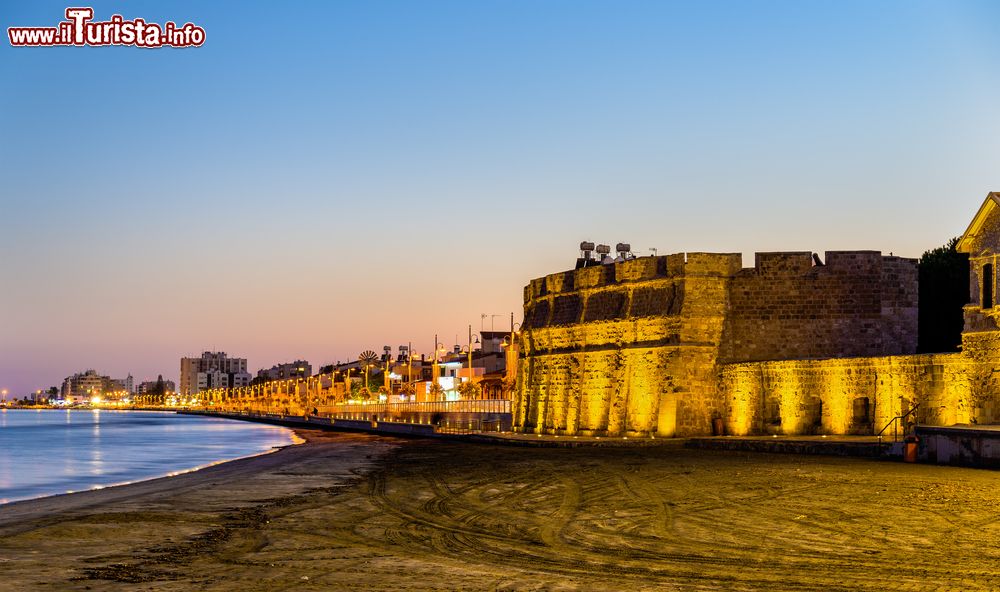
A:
102, 539
177, 473
296, 440
16, 516
7, 508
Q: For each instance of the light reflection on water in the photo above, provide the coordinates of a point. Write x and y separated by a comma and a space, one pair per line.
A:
56, 451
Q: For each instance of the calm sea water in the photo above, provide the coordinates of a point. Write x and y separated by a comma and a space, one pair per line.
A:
45, 452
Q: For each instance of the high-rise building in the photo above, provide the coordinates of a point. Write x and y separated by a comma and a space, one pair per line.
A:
212, 370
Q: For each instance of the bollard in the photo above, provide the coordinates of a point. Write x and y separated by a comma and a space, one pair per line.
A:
910, 449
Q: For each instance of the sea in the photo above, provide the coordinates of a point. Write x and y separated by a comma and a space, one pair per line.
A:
47, 451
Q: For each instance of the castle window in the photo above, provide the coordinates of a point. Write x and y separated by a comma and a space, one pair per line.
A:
988, 285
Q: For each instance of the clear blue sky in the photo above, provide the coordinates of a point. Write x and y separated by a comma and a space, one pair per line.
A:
325, 177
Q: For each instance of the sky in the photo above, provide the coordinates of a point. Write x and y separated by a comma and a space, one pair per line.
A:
320, 178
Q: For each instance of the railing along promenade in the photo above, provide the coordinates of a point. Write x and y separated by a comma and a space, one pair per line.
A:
464, 416
384, 408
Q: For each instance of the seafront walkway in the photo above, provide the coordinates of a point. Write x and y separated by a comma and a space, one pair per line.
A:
976, 446
858, 446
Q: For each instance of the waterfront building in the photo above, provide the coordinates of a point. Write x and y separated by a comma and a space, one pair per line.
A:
286, 371
82, 387
126, 384
149, 386
212, 370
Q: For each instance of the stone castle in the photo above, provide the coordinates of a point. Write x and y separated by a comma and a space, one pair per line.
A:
672, 345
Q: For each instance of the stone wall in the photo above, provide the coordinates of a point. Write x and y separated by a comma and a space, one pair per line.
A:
634, 348
848, 395
858, 304
861, 395
624, 349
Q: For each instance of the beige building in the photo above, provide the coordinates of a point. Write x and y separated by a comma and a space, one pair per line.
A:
83, 386
212, 370
286, 371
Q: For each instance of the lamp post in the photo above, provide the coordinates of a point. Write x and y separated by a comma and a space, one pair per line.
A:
438, 349
409, 363
434, 374
510, 361
470, 355
309, 393
385, 379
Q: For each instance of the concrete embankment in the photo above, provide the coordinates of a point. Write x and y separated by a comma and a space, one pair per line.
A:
859, 446
426, 430
971, 446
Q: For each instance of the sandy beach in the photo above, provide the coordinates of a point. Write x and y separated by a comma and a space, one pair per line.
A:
360, 512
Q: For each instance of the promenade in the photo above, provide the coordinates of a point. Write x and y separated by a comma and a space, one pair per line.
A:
473, 431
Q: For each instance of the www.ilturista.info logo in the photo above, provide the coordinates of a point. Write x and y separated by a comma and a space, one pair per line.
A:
80, 29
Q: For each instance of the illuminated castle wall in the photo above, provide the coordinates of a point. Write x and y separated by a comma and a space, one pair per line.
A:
664, 345
636, 347
623, 349
858, 303
861, 395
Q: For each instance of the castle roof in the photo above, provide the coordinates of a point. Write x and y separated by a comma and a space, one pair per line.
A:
976, 226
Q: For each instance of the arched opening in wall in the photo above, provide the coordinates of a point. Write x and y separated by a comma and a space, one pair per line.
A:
815, 409
988, 285
861, 420
772, 416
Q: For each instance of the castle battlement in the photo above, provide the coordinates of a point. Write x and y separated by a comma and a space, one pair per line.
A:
639, 269
624, 341
796, 344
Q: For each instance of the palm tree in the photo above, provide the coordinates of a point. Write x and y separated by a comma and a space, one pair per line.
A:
469, 390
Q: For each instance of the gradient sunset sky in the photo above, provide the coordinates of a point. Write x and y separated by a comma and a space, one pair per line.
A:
326, 177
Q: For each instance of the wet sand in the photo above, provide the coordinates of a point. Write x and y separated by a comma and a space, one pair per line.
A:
364, 512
